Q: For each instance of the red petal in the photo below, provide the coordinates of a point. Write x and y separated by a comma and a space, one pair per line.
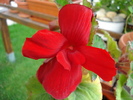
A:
76, 57
66, 57
62, 58
75, 23
99, 61
58, 81
43, 44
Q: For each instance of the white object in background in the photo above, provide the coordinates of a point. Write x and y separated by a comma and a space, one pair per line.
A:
111, 26
14, 4
2, 9
11, 57
10, 22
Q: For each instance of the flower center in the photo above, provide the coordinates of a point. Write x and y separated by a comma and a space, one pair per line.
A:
70, 47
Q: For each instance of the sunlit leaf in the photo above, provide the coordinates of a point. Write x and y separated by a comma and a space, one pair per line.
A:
86, 78
112, 46
98, 42
36, 91
87, 90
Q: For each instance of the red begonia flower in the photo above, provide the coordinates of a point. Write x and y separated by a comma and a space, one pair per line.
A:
67, 52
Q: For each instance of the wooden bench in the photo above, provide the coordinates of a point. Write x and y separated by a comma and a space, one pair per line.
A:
28, 22
25, 21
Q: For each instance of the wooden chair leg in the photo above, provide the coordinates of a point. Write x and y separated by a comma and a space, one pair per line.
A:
6, 40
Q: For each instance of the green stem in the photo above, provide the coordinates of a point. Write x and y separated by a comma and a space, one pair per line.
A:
125, 29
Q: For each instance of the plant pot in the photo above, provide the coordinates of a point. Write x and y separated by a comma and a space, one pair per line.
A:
45, 7
111, 26
23, 5
124, 40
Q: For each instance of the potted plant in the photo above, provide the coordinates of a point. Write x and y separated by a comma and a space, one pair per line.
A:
90, 87
113, 12
22, 4
125, 38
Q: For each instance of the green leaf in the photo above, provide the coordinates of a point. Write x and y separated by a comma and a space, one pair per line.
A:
131, 91
130, 9
112, 46
131, 66
62, 3
121, 93
87, 90
125, 95
130, 80
93, 30
93, 76
87, 3
36, 91
119, 87
129, 50
98, 42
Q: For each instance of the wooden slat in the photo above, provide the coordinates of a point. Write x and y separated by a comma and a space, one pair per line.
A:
25, 21
34, 13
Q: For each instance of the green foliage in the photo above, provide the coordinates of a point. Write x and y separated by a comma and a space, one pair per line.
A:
121, 93
129, 50
125, 95
98, 42
131, 66
36, 91
130, 79
93, 76
87, 90
131, 91
116, 5
112, 46
93, 30
87, 3
130, 8
62, 3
